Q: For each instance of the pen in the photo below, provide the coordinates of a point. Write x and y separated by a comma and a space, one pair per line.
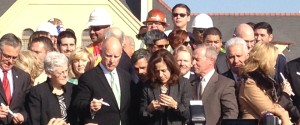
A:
104, 103
282, 76
9, 111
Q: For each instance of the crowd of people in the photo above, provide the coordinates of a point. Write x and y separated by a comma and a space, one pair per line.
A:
118, 81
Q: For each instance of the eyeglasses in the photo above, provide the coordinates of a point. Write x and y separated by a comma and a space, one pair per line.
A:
180, 14
97, 28
199, 30
249, 41
59, 73
162, 46
8, 57
154, 23
140, 36
186, 43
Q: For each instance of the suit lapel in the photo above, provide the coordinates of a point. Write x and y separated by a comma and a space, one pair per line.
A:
15, 85
106, 85
2, 92
194, 84
156, 92
122, 88
210, 86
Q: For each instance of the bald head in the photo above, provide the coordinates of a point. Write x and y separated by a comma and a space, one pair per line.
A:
245, 32
111, 53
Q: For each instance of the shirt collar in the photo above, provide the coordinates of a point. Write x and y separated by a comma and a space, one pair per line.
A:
105, 70
208, 75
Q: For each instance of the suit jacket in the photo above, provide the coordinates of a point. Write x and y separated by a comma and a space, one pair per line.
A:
181, 94
22, 84
292, 74
218, 99
93, 84
43, 104
221, 63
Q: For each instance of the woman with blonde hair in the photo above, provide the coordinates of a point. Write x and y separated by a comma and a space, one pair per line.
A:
80, 61
259, 94
29, 62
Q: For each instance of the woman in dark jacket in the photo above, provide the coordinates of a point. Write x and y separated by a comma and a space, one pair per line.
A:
166, 95
52, 98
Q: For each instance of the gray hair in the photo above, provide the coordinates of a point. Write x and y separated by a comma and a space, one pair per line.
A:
210, 52
115, 32
54, 59
139, 54
131, 41
11, 40
236, 41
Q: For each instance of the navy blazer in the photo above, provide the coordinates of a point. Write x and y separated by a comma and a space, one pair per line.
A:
22, 84
43, 104
93, 84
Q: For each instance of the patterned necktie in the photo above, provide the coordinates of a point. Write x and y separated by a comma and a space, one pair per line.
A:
114, 88
6, 87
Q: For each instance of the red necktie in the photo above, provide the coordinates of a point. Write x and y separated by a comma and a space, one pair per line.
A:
6, 87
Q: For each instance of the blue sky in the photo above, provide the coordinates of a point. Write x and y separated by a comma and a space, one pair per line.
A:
240, 6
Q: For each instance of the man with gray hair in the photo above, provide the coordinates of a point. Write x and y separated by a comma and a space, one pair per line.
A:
237, 54
215, 91
103, 95
15, 83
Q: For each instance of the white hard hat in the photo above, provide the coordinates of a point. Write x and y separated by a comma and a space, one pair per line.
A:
202, 21
48, 27
99, 17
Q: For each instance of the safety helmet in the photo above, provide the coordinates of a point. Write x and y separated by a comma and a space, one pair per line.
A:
48, 27
100, 17
156, 15
202, 21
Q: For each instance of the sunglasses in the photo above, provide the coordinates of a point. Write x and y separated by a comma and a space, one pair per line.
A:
154, 23
186, 43
97, 28
162, 46
199, 30
180, 14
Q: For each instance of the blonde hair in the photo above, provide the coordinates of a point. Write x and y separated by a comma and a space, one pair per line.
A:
78, 54
262, 57
29, 62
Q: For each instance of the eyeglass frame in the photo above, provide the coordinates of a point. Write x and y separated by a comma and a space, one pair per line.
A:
180, 14
97, 28
199, 30
8, 57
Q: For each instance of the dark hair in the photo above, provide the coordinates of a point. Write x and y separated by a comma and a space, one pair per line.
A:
65, 34
37, 34
11, 40
139, 54
177, 38
251, 24
212, 31
264, 25
154, 35
188, 10
168, 58
45, 40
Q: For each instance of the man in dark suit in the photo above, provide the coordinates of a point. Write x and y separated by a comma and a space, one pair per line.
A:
215, 91
14, 84
105, 83
237, 54
292, 74
213, 37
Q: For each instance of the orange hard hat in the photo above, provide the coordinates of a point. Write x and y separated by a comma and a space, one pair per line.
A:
156, 15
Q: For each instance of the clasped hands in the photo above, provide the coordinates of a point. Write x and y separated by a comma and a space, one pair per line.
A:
164, 100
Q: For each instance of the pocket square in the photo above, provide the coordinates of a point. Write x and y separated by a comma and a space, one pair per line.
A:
298, 73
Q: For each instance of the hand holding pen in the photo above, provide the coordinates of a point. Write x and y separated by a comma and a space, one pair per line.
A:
286, 85
96, 105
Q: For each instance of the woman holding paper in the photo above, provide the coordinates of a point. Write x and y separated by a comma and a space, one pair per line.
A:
165, 99
259, 93
52, 98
